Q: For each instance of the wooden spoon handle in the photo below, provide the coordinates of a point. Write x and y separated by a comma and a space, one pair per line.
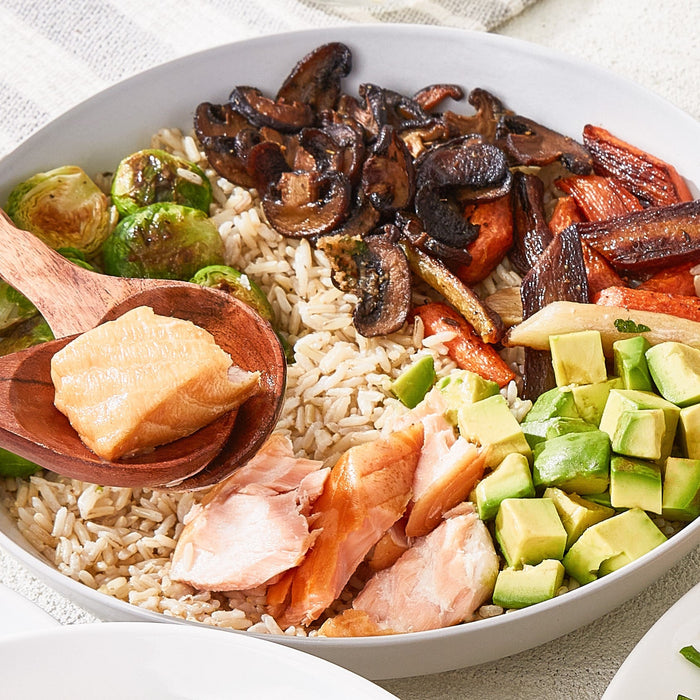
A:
71, 298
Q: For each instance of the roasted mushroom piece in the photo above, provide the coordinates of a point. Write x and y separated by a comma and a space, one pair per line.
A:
303, 204
432, 95
316, 78
489, 112
260, 111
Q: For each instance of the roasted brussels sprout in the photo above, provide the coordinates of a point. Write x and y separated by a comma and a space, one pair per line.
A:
31, 332
14, 308
63, 207
76, 257
152, 176
238, 285
14, 465
164, 241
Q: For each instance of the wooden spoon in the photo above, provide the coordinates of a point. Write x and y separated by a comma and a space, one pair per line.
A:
73, 300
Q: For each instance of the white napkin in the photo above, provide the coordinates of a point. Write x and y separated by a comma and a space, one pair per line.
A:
56, 54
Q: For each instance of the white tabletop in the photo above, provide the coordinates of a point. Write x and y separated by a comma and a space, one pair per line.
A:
653, 43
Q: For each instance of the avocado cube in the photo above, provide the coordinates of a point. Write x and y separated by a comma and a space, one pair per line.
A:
577, 358
600, 499
511, 479
491, 424
528, 530
639, 433
411, 386
577, 514
612, 543
462, 387
518, 588
620, 400
689, 431
555, 403
538, 431
681, 495
576, 462
635, 483
675, 369
590, 399
630, 363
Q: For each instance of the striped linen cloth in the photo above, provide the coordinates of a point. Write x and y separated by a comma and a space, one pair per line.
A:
55, 54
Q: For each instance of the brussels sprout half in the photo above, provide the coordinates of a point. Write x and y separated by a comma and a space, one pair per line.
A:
25, 335
152, 175
13, 465
14, 308
63, 207
162, 241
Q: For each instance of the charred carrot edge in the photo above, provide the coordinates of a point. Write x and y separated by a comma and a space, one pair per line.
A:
495, 222
566, 212
645, 300
599, 197
599, 272
636, 168
466, 348
673, 280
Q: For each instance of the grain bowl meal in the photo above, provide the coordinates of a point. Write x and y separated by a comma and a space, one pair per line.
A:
493, 343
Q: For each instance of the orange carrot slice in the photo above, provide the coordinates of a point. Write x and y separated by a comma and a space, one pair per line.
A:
645, 300
599, 197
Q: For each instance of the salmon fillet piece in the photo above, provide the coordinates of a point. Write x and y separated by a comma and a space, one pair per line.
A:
252, 527
143, 380
366, 493
441, 580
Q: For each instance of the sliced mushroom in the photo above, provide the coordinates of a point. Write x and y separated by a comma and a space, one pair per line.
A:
388, 177
305, 204
530, 143
265, 164
413, 231
362, 219
325, 152
217, 120
432, 95
223, 155
262, 111
316, 78
350, 139
489, 111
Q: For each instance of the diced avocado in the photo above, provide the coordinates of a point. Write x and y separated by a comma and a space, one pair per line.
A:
529, 530
577, 462
689, 431
464, 387
590, 399
635, 483
630, 363
675, 369
489, 422
555, 403
600, 499
518, 588
537, 431
639, 433
411, 386
577, 358
576, 513
620, 400
612, 543
511, 479
681, 494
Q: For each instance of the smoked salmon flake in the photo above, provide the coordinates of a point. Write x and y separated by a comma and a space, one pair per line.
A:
144, 380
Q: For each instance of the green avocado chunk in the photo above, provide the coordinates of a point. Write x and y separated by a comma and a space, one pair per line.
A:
511, 479
635, 483
577, 358
576, 462
611, 544
590, 399
538, 431
529, 530
555, 403
411, 386
518, 588
464, 387
681, 490
639, 433
630, 363
577, 514
689, 431
675, 369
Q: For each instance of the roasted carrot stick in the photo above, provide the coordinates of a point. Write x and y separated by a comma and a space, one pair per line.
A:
644, 300
495, 222
673, 280
648, 177
566, 212
466, 348
599, 197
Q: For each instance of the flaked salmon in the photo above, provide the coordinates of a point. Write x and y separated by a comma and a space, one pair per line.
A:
252, 527
143, 380
366, 493
441, 580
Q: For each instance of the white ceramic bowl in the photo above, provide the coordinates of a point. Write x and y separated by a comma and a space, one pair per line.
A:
559, 92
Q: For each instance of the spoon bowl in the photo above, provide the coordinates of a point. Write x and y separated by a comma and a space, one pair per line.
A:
73, 300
